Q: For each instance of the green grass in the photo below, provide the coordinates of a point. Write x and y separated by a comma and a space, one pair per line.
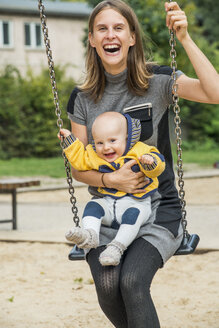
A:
54, 167
200, 157
21, 167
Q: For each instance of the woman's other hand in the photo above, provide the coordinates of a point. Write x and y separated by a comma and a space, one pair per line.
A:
176, 19
125, 179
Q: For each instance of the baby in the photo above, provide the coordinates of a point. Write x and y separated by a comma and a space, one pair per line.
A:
116, 141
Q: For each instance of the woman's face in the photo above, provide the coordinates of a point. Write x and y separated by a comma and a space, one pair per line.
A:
112, 38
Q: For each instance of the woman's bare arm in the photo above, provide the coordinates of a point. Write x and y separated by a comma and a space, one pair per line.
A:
205, 88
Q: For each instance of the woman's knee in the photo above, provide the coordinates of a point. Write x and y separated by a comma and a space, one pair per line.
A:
107, 290
140, 265
130, 282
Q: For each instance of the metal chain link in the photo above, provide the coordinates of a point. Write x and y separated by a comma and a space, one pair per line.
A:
177, 122
57, 109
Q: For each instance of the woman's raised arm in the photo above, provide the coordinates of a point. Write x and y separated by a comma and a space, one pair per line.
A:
205, 88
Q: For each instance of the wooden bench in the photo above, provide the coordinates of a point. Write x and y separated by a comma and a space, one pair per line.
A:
10, 186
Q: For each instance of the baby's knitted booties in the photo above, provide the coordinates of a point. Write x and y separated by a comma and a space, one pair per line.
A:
112, 254
83, 238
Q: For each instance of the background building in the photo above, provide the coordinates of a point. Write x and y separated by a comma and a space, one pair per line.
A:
21, 39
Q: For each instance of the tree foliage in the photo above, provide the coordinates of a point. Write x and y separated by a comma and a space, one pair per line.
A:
207, 17
27, 115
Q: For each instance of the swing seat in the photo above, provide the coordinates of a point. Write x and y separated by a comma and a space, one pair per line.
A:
188, 245
76, 254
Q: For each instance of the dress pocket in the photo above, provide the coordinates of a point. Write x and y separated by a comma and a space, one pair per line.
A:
143, 112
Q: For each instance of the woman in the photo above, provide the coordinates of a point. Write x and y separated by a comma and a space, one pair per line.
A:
118, 77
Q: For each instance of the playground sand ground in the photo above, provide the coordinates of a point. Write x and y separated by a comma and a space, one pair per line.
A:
40, 288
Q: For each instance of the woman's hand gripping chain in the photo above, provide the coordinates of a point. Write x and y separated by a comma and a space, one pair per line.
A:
176, 19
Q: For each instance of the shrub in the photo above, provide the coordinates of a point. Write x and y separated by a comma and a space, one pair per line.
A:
27, 113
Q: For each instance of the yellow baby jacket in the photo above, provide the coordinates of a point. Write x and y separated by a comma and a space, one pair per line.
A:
83, 159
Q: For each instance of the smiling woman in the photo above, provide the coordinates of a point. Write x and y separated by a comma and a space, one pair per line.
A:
114, 42
112, 39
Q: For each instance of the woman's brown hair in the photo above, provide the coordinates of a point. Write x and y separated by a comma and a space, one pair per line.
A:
138, 74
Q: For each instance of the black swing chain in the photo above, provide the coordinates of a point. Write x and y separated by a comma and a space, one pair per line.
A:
177, 121
57, 109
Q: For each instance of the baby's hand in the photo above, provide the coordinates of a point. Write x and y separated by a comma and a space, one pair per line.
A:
63, 132
146, 159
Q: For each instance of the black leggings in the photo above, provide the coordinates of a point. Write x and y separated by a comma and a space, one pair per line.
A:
124, 290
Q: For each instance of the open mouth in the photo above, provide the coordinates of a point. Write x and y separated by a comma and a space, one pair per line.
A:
110, 155
111, 48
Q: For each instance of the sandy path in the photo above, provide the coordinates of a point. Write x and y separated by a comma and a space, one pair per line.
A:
40, 288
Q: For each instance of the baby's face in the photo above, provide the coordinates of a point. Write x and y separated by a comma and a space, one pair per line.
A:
110, 141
